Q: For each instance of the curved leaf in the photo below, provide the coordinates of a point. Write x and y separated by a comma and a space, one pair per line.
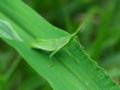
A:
65, 73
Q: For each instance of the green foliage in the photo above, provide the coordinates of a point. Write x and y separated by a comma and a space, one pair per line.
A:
69, 69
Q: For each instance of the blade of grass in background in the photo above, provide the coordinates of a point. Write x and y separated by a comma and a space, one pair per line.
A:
65, 73
65, 14
103, 30
86, 33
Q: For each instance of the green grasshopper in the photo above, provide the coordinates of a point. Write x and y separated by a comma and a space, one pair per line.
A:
56, 44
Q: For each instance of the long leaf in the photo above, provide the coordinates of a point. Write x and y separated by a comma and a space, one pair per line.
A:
62, 71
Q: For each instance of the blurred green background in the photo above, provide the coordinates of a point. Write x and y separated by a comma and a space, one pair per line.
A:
101, 39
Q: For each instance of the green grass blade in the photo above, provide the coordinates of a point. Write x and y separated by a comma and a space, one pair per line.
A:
61, 71
103, 30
